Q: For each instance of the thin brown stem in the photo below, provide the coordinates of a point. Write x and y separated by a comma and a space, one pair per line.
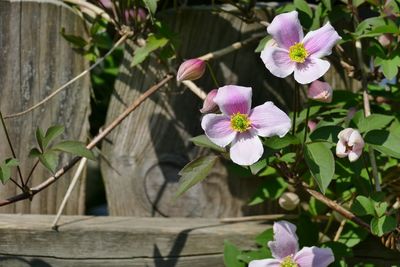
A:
34, 190
31, 172
17, 184
336, 207
76, 78
11, 147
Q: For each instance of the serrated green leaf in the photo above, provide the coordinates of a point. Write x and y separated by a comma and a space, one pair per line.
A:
74, 147
389, 69
320, 160
49, 159
277, 142
195, 172
152, 43
5, 173
383, 225
231, 254
384, 141
203, 141
363, 206
51, 134
373, 122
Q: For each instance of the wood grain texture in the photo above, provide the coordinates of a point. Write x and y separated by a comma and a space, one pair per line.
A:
35, 61
119, 241
147, 151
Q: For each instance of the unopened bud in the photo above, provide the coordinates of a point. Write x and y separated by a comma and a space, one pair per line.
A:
191, 70
385, 39
289, 201
107, 3
135, 15
209, 105
320, 91
311, 125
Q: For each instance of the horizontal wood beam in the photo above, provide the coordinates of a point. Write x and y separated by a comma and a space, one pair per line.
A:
119, 241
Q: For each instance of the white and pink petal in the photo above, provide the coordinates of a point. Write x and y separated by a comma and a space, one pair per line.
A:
285, 240
286, 29
246, 148
320, 42
265, 263
311, 70
268, 120
277, 61
218, 129
313, 256
233, 99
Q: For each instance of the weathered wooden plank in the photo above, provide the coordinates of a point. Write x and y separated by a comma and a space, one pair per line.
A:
120, 241
35, 61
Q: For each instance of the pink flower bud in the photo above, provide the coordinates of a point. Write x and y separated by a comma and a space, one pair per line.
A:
289, 201
385, 39
350, 144
209, 105
312, 125
191, 69
320, 91
136, 14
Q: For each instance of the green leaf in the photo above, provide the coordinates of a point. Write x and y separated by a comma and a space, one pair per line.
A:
258, 166
5, 173
40, 138
277, 142
363, 206
302, 5
383, 225
320, 160
151, 5
195, 172
271, 189
352, 235
203, 141
327, 4
326, 133
34, 153
389, 68
262, 43
153, 42
266, 236
49, 159
11, 162
231, 254
380, 208
74, 147
374, 122
261, 253
384, 141
51, 134
78, 41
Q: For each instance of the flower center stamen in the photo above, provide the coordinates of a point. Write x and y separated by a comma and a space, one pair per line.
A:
298, 53
288, 262
240, 122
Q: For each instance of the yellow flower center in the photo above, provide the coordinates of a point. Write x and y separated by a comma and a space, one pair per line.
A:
240, 122
288, 262
298, 53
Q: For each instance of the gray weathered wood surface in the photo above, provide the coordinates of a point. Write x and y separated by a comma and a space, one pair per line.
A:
146, 152
28, 240
35, 60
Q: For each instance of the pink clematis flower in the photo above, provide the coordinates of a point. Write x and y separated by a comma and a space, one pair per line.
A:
295, 53
240, 125
350, 144
285, 250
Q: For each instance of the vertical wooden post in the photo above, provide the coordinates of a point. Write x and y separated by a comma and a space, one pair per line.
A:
35, 60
